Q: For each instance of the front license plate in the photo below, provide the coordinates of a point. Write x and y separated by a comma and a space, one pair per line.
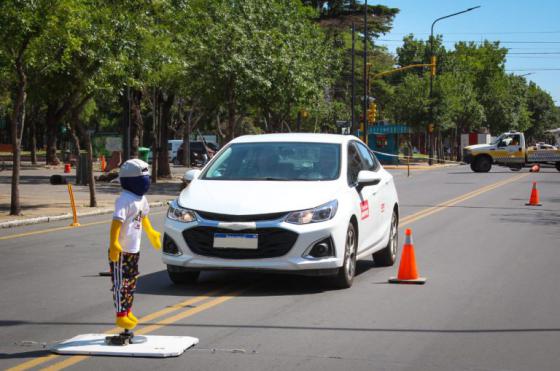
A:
236, 241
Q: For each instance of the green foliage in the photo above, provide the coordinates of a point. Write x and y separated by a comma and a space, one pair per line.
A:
471, 91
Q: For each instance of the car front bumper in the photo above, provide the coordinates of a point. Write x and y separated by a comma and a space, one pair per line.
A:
292, 261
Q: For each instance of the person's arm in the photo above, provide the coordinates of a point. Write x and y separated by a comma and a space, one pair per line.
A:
153, 235
114, 246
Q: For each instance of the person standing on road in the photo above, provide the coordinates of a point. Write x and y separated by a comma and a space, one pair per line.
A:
131, 214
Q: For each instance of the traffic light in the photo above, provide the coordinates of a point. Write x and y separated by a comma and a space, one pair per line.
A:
433, 66
372, 113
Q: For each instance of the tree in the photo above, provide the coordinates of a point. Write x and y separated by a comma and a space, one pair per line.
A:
22, 23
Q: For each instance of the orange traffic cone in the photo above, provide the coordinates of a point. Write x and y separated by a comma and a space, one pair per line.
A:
534, 199
66, 168
408, 273
103, 163
535, 168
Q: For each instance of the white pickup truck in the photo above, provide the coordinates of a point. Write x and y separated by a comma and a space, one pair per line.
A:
510, 150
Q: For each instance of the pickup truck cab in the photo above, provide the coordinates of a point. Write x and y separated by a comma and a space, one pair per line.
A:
509, 149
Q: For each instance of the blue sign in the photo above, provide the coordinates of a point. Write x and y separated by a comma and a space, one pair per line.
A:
389, 129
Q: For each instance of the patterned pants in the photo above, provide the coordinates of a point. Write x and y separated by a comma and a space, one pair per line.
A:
124, 273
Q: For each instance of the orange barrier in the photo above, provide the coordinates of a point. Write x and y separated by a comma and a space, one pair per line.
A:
534, 199
408, 272
73, 204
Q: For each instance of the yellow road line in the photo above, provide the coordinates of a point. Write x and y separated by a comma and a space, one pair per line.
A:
55, 229
439, 207
32, 363
148, 329
160, 313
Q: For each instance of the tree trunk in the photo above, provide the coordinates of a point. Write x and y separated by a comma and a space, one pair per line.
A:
164, 171
82, 133
155, 149
91, 178
186, 158
230, 135
51, 126
231, 107
16, 126
33, 140
136, 122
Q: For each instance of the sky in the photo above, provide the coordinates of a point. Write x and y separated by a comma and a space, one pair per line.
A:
531, 27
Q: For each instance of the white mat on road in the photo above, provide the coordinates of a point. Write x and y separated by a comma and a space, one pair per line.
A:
154, 346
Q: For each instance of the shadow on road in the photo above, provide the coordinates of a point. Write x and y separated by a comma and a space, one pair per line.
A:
293, 328
538, 218
29, 354
269, 284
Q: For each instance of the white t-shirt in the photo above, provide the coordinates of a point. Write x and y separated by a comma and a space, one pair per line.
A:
130, 209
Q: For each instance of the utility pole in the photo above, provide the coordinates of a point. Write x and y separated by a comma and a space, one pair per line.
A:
126, 134
353, 126
431, 125
155, 109
365, 103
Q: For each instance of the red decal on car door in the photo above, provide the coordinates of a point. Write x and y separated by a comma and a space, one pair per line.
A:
364, 208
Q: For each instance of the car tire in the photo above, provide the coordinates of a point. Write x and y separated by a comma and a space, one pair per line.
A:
558, 166
388, 256
180, 277
481, 164
346, 273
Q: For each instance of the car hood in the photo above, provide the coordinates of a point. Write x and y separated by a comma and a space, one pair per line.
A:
257, 197
477, 147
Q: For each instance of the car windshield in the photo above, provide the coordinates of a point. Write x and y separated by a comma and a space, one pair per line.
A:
281, 161
498, 139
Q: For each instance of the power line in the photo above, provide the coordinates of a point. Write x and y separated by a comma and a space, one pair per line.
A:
533, 69
533, 53
481, 33
481, 41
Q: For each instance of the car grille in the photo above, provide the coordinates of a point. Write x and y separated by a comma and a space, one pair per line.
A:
273, 242
240, 218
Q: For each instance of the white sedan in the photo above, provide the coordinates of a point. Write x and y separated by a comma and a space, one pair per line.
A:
297, 203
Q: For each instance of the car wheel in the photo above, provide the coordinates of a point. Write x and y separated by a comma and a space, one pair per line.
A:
482, 164
180, 277
388, 255
558, 166
345, 275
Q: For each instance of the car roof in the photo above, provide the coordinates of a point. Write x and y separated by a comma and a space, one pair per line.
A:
295, 137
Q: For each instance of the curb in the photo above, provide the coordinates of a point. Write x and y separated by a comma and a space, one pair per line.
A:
48, 219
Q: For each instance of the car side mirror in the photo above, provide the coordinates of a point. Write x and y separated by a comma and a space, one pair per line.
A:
367, 178
191, 175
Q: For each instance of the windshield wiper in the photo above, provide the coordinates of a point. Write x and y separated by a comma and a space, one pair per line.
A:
270, 178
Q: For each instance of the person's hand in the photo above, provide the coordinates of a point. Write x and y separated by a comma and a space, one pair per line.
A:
114, 251
155, 238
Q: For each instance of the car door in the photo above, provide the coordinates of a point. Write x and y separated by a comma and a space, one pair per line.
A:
369, 231
384, 190
514, 149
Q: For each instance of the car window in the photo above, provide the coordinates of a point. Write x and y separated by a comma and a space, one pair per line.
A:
286, 161
369, 162
354, 164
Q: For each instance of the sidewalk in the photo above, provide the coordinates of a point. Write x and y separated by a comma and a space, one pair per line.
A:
43, 202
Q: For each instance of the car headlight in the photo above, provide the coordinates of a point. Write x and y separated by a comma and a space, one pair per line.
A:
180, 214
319, 214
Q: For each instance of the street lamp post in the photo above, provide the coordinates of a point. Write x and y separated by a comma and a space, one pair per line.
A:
365, 74
431, 135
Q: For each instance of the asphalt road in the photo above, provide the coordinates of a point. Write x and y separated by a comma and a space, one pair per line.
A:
491, 302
